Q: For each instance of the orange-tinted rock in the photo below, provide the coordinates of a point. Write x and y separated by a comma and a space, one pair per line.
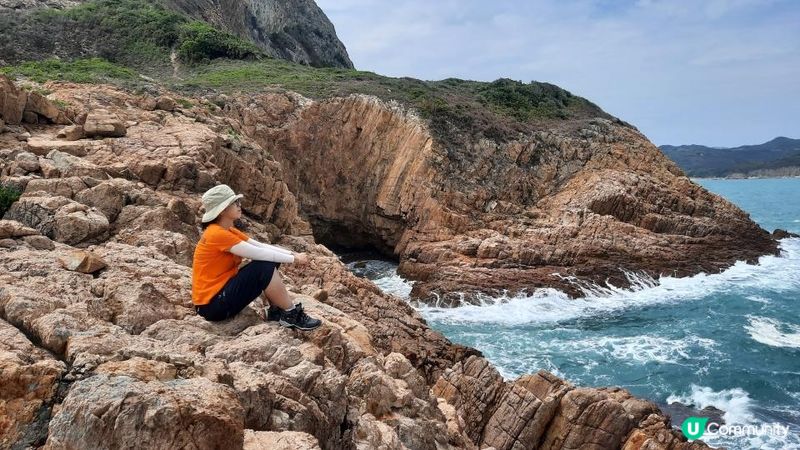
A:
43, 107
29, 378
102, 123
584, 199
12, 101
13, 229
82, 261
42, 147
114, 411
284, 440
165, 103
145, 368
72, 133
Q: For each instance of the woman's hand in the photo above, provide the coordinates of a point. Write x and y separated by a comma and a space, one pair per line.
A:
301, 258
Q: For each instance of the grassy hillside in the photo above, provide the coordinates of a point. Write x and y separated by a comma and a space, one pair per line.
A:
125, 38
135, 33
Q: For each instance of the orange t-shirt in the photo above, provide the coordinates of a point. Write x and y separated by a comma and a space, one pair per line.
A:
213, 264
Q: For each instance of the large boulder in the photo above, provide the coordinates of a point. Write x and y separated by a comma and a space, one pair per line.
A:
105, 411
82, 261
66, 186
165, 103
11, 229
544, 411
26, 161
107, 197
60, 219
12, 101
64, 164
43, 146
102, 123
29, 377
42, 107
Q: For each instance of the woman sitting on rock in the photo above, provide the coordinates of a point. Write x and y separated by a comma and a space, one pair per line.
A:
219, 288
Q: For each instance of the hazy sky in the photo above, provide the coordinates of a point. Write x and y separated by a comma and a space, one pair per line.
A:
712, 72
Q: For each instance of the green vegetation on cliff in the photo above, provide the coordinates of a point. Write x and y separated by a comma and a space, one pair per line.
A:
140, 36
199, 41
93, 70
8, 196
499, 110
135, 33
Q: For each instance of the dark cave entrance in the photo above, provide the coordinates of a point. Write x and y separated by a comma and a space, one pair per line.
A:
350, 241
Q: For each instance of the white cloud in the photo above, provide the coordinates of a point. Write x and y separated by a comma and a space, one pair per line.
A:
717, 72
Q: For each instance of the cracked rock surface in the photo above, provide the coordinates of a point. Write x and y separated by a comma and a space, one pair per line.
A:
100, 346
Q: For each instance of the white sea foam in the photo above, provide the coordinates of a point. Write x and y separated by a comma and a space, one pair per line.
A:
735, 402
771, 274
635, 349
755, 282
644, 349
388, 279
738, 408
758, 299
395, 284
769, 331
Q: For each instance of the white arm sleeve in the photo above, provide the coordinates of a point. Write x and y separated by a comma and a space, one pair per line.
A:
273, 247
250, 251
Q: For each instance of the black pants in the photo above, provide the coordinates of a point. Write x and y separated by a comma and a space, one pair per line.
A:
239, 291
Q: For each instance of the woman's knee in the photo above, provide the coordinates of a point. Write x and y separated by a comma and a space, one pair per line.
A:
266, 271
261, 267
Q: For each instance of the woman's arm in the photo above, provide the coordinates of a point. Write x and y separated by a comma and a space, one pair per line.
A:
272, 247
247, 250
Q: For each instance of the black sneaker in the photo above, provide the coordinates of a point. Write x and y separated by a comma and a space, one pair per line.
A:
273, 314
297, 318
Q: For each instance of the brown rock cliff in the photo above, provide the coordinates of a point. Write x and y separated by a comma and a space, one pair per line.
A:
117, 356
585, 199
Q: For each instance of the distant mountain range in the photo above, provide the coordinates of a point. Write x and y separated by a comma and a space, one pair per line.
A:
778, 157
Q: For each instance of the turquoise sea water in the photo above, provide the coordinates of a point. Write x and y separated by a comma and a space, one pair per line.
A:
729, 340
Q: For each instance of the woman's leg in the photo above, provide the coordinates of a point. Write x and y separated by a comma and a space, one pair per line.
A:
277, 294
241, 290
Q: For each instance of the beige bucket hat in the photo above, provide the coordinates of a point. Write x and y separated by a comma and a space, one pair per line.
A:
216, 199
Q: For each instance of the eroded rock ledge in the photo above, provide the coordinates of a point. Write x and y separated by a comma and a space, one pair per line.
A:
100, 347
583, 199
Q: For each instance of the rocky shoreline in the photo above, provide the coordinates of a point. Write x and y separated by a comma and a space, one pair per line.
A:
100, 345
583, 201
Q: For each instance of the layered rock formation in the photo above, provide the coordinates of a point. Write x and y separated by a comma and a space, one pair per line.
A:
101, 348
294, 30
582, 201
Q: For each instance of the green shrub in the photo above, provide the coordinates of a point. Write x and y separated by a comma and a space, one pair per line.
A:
8, 196
525, 101
132, 33
201, 42
132, 20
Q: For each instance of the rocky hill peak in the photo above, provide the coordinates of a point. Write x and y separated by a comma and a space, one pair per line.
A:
294, 30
